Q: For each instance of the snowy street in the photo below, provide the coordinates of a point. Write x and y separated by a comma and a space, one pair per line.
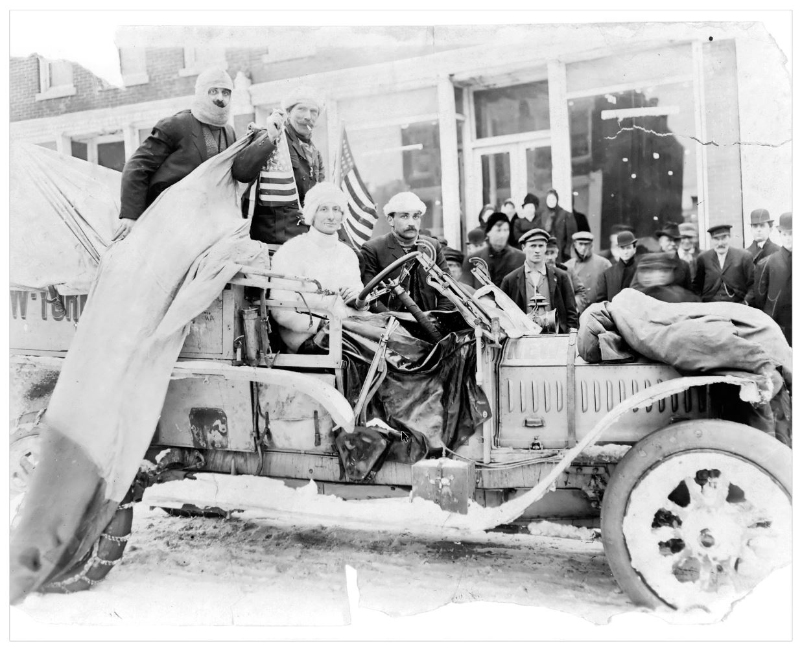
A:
257, 570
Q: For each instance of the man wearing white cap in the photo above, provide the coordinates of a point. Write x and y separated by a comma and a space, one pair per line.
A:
404, 212
277, 224
587, 265
177, 146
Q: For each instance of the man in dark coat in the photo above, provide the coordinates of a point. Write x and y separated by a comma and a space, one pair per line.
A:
559, 223
176, 146
535, 277
619, 276
773, 293
500, 257
278, 224
724, 273
404, 212
761, 246
669, 239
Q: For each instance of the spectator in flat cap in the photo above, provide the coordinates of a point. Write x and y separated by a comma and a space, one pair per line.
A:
559, 223
761, 246
619, 276
176, 146
524, 223
477, 239
501, 258
773, 293
688, 246
536, 277
404, 212
724, 273
669, 239
587, 266
455, 260
272, 223
655, 277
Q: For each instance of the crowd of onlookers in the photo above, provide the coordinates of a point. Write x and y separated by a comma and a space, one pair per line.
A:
545, 259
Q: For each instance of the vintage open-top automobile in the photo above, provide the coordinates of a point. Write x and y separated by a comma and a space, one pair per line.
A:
694, 509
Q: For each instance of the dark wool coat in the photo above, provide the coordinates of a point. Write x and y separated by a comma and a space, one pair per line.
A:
561, 294
619, 276
759, 254
499, 264
733, 283
276, 225
563, 227
378, 253
174, 149
773, 292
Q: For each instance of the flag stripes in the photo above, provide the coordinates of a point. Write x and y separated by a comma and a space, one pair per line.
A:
277, 180
361, 216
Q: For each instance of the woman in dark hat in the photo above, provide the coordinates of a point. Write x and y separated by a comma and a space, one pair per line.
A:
501, 258
527, 220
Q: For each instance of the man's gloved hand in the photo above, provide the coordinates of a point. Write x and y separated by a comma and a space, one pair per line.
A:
126, 225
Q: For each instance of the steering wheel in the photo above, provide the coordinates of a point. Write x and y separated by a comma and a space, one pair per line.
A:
395, 287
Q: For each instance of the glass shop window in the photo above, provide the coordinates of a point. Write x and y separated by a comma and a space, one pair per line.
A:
633, 155
512, 109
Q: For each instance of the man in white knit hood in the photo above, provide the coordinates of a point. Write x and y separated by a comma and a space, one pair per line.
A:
177, 146
320, 255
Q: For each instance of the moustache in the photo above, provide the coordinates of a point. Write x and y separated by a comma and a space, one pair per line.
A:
219, 103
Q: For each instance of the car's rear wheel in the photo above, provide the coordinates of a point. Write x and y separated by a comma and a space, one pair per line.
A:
697, 514
105, 553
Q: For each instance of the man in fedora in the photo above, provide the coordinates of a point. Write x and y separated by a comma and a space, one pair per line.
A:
619, 276
724, 273
588, 266
276, 224
761, 246
536, 277
669, 239
773, 292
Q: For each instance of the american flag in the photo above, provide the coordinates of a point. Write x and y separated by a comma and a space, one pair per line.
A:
276, 180
361, 216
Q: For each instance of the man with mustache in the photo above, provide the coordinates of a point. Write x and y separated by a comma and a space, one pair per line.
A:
177, 146
773, 292
404, 212
278, 224
724, 273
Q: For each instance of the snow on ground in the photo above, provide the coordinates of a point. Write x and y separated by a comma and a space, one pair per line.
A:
259, 569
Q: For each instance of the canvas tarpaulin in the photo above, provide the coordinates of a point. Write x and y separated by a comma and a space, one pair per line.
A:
63, 212
110, 393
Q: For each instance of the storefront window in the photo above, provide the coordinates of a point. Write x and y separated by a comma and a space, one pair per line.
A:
632, 151
512, 109
397, 155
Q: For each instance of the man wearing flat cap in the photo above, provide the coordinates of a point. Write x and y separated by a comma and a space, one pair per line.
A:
620, 275
404, 212
500, 257
773, 292
588, 266
724, 273
669, 239
761, 246
687, 250
176, 146
273, 224
580, 290
536, 277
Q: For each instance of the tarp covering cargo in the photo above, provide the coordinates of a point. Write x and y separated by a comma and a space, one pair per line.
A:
63, 212
110, 393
